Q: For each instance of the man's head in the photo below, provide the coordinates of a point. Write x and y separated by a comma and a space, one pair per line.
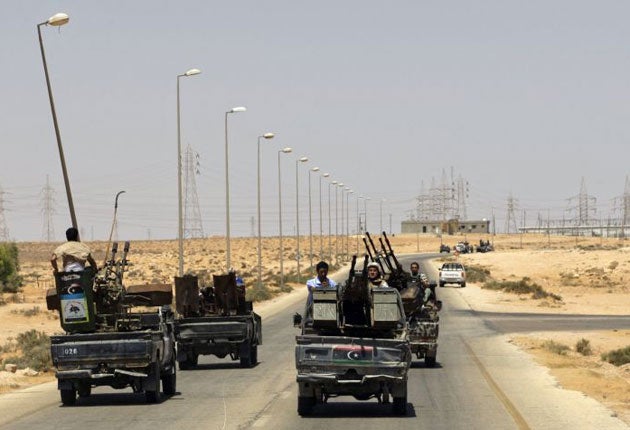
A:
72, 234
415, 268
322, 269
373, 271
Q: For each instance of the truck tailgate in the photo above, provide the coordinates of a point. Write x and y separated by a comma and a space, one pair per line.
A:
234, 328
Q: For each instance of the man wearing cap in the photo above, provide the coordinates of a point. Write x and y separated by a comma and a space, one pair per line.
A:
73, 254
320, 281
375, 280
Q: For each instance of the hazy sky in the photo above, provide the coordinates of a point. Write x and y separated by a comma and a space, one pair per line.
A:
520, 97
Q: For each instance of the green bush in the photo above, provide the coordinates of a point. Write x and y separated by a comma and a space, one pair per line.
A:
583, 346
555, 347
523, 286
10, 280
258, 293
477, 274
35, 351
618, 357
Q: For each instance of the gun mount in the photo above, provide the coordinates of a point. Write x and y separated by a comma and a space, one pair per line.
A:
215, 320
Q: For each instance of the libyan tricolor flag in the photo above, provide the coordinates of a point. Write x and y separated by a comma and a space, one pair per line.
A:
353, 353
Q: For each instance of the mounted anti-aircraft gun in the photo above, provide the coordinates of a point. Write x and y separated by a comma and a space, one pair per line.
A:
105, 342
354, 344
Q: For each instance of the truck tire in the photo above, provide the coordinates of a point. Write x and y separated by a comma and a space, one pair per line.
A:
246, 355
254, 355
305, 405
399, 405
169, 381
429, 361
68, 396
191, 361
442, 284
152, 394
84, 389
463, 285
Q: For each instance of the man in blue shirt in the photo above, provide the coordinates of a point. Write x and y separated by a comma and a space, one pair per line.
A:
320, 281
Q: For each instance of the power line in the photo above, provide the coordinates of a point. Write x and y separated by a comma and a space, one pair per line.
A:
192, 215
48, 210
4, 230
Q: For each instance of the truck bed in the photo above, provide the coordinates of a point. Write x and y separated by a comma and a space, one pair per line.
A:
235, 328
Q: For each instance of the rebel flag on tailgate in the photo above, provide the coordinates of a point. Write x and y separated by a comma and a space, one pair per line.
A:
354, 353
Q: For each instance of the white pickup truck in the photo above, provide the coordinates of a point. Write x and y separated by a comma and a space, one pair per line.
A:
452, 273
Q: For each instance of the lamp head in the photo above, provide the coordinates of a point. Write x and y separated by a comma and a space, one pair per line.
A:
237, 109
334, 182
340, 184
58, 19
315, 169
325, 175
286, 150
268, 135
303, 160
192, 72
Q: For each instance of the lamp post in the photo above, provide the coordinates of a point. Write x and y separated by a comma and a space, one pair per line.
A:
358, 223
264, 136
321, 229
365, 199
310, 218
180, 222
297, 215
348, 192
330, 254
282, 151
381, 210
227, 188
57, 20
339, 185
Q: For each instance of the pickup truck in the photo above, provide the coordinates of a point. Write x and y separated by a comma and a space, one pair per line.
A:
139, 359
452, 273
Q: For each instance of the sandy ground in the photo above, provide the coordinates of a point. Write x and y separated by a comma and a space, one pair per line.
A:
590, 274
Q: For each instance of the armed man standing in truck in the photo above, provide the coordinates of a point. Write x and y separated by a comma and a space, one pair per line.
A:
375, 280
320, 281
73, 254
422, 280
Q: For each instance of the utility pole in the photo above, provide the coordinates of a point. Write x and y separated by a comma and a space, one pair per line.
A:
510, 219
4, 230
193, 227
48, 209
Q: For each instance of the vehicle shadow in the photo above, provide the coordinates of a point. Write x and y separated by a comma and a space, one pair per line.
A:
419, 364
218, 366
358, 409
116, 399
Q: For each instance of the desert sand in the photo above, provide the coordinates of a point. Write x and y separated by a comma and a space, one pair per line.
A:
590, 274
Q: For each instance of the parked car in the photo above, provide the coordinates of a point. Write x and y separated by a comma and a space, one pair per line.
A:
445, 248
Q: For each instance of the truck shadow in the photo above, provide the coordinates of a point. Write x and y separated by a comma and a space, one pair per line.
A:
218, 366
419, 364
356, 409
116, 399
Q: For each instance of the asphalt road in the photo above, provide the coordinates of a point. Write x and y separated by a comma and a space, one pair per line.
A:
480, 382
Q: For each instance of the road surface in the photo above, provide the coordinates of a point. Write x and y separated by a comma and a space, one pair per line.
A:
480, 382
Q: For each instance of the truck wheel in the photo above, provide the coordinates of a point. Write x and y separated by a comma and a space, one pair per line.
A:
246, 355
399, 405
153, 395
169, 381
305, 405
429, 361
84, 390
442, 284
68, 396
463, 285
254, 354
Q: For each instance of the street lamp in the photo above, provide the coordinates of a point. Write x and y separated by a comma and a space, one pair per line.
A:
282, 151
227, 187
348, 192
339, 185
264, 136
365, 199
57, 20
321, 230
358, 223
381, 205
334, 183
310, 218
297, 214
180, 224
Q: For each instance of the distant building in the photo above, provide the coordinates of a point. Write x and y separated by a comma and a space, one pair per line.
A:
452, 226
